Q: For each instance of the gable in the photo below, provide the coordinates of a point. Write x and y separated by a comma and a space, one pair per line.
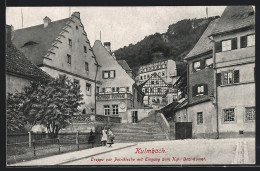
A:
108, 63
72, 41
152, 81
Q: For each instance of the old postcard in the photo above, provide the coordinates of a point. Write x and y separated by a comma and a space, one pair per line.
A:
143, 85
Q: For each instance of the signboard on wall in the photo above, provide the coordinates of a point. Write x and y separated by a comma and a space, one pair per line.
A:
122, 107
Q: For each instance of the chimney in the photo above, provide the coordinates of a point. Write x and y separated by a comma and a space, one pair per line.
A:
46, 21
76, 14
9, 33
107, 46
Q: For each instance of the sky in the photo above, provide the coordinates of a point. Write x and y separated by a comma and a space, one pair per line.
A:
119, 25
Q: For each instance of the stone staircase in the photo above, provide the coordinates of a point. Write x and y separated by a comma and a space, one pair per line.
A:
145, 130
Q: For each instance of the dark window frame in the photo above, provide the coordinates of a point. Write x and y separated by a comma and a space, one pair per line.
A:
199, 118
70, 42
86, 66
109, 74
115, 109
88, 86
68, 58
226, 117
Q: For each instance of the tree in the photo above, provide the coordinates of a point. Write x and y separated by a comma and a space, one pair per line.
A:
52, 104
15, 120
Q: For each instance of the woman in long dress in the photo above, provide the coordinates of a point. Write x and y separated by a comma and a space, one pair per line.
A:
104, 137
110, 137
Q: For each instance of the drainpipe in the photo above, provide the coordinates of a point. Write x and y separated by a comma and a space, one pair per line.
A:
96, 89
215, 84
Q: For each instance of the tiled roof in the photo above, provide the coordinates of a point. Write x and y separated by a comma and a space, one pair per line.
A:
235, 17
17, 63
204, 44
39, 38
123, 64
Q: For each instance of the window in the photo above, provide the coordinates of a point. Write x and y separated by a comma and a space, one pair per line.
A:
227, 77
144, 76
152, 82
113, 89
251, 40
88, 89
103, 90
199, 90
226, 45
97, 89
229, 115
122, 89
76, 83
159, 73
199, 118
250, 114
117, 89
163, 73
209, 62
68, 59
163, 66
86, 66
141, 78
146, 90
159, 90
157, 82
109, 74
108, 90
85, 49
106, 110
115, 109
127, 89
196, 65
70, 42
77, 27
148, 76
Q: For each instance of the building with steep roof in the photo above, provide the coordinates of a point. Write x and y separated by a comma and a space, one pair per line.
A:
234, 63
19, 70
62, 47
154, 88
118, 91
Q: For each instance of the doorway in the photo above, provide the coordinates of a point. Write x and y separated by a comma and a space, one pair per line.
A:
134, 116
183, 130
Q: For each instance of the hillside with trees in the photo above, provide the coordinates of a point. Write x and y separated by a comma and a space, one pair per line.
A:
175, 44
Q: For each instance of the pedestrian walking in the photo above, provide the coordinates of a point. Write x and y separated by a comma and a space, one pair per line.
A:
104, 137
110, 137
91, 139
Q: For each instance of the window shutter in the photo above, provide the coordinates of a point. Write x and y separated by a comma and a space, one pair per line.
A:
234, 43
205, 89
218, 79
194, 91
243, 41
202, 64
218, 47
103, 74
236, 76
